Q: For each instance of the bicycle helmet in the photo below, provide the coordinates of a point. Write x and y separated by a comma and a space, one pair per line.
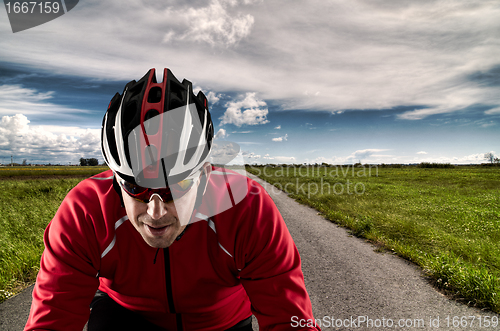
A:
157, 133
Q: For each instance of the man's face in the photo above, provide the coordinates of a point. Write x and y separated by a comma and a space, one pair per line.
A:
159, 222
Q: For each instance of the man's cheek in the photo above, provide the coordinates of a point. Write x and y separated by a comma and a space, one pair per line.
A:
184, 209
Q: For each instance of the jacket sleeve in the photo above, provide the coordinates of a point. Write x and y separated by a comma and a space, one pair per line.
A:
270, 268
67, 280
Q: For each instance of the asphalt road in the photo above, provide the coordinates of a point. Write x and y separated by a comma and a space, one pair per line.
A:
350, 285
349, 282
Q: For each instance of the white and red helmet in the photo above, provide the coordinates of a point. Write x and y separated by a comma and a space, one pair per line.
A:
157, 133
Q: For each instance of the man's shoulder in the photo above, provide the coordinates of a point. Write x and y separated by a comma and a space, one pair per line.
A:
97, 183
92, 192
91, 204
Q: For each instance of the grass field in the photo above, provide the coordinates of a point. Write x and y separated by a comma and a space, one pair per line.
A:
28, 171
27, 206
445, 220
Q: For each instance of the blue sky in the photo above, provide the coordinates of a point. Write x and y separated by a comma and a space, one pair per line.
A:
313, 81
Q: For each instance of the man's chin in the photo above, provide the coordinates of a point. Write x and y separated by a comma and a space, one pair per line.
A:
161, 237
157, 242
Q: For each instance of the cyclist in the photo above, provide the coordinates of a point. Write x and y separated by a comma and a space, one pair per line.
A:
165, 240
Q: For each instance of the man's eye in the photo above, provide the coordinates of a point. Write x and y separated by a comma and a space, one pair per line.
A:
134, 189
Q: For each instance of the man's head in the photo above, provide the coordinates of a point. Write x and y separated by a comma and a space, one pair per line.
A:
156, 137
155, 214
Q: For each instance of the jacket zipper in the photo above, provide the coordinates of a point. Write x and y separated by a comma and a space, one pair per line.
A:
170, 297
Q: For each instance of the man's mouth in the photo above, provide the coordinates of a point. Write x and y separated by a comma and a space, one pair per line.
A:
157, 231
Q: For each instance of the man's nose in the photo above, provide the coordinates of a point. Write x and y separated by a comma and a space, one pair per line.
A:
156, 207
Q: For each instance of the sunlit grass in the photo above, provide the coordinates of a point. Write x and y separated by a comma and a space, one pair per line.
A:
50, 171
27, 206
445, 220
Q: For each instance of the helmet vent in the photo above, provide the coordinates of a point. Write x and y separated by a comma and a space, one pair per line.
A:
177, 95
129, 113
136, 89
151, 126
154, 95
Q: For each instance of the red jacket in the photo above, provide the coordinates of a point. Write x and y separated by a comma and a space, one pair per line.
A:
224, 268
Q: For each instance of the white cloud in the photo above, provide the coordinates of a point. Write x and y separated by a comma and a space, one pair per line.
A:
38, 144
278, 127
248, 111
16, 99
285, 159
358, 54
475, 158
213, 98
364, 154
493, 111
249, 143
278, 159
224, 152
214, 24
419, 114
375, 158
490, 123
372, 155
422, 153
280, 139
221, 134
251, 155
218, 23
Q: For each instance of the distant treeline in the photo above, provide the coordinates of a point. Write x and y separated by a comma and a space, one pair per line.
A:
88, 162
382, 165
435, 165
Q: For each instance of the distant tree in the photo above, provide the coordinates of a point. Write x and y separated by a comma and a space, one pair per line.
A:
88, 162
93, 162
25, 162
496, 160
490, 157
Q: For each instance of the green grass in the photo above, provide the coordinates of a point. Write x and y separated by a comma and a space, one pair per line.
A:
445, 220
27, 206
43, 171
